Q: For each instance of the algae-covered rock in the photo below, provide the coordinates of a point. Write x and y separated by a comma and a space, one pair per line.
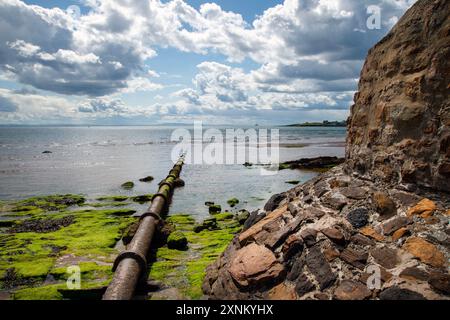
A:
142, 198
147, 179
232, 202
119, 198
209, 203
294, 182
128, 185
215, 209
177, 240
242, 216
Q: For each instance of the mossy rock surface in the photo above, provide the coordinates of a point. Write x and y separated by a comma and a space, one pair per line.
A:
128, 185
215, 209
147, 179
143, 198
294, 182
232, 202
118, 198
185, 270
46, 240
177, 240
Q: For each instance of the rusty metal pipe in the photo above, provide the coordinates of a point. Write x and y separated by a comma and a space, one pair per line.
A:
131, 264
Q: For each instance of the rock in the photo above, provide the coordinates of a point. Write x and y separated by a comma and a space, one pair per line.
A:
440, 282
215, 209
424, 208
242, 216
46, 152
309, 236
207, 224
147, 179
425, 252
142, 198
315, 212
313, 163
177, 240
294, 182
396, 293
351, 290
293, 209
233, 202
358, 218
331, 253
334, 201
275, 239
370, 232
319, 267
361, 240
209, 203
384, 204
128, 185
303, 285
296, 270
282, 292
393, 225
385, 257
354, 257
274, 201
254, 265
130, 232
292, 246
400, 233
178, 183
335, 235
354, 193
254, 218
320, 189
413, 273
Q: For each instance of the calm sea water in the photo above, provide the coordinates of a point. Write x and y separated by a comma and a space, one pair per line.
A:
95, 161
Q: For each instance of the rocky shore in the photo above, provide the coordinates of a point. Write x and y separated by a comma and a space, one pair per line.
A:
376, 226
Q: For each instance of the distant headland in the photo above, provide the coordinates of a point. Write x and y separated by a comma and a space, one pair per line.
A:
324, 123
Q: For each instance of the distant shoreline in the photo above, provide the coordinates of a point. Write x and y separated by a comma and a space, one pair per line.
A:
325, 123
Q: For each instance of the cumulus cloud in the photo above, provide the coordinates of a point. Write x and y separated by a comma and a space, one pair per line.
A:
7, 105
308, 52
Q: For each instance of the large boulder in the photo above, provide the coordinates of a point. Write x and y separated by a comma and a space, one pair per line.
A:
399, 127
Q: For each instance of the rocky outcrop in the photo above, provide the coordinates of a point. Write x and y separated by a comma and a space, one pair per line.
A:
399, 128
377, 226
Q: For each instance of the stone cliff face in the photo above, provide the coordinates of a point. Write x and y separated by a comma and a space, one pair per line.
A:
399, 128
376, 227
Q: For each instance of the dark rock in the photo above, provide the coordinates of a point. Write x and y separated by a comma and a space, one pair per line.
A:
334, 202
274, 201
254, 218
320, 189
147, 179
291, 247
314, 163
215, 209
359, 217
414, 274
315, 212
209, 203
440, 282
42, 225
354, 193
46, 152
309, 236
142, 198
277, 238
396, 293
354, 257
293, 209
386, 257
178, 183
335, 235
303, 285
361, 240
319, 267
393, 225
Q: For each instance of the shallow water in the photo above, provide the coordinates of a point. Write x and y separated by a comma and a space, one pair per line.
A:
95, 161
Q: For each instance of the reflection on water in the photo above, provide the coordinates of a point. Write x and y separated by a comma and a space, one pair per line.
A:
97, 160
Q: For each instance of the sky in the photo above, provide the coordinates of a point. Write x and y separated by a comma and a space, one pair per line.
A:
145, 62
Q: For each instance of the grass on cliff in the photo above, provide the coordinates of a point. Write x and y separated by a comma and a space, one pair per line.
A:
185, 270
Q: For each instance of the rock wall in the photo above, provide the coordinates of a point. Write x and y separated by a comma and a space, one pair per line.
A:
376, 227
399, 128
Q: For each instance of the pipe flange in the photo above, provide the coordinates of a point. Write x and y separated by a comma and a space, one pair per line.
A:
169, 184
159, 194
171, 175
150, 214
139, 258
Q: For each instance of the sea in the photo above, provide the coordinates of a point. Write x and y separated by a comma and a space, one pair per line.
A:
96, 160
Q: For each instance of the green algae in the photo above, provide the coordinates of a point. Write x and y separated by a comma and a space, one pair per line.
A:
232, 202
185, 270
88, 242
113, 198
128, 185
143, 198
